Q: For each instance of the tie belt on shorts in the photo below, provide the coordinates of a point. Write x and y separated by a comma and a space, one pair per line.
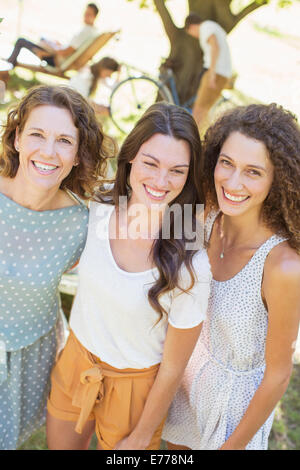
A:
90, 389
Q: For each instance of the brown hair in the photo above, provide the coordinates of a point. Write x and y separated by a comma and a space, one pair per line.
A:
93, 7
192, 18
94, 147
105, 63
278, 130
168, 254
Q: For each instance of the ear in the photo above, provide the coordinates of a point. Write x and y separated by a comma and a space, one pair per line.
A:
17, 139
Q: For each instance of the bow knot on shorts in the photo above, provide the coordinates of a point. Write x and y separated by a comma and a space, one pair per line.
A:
84, 388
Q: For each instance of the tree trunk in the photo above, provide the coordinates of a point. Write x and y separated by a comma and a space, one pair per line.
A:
186, 58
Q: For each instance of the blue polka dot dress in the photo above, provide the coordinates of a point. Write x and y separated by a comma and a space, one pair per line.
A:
36, 248
227, 364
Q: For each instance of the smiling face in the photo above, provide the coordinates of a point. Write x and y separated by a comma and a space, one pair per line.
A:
159, 170
243, 175
47, 147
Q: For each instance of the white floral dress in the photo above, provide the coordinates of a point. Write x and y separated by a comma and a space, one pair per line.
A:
228, 363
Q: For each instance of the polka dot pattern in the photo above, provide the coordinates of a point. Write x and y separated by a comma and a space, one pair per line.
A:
227, 365
23, 395
36, 248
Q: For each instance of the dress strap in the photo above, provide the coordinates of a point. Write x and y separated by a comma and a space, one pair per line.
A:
75, 197
266, 247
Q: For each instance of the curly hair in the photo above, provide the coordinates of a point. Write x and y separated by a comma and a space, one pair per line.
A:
168, 254
278, 130
94, 147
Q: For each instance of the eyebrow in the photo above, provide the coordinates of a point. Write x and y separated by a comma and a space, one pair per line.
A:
157, 160
42, 130
252, 166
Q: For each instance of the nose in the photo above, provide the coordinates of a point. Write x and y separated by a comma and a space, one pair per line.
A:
234, 182
48, 148
161, 180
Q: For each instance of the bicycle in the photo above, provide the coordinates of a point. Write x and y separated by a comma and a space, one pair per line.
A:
132, 96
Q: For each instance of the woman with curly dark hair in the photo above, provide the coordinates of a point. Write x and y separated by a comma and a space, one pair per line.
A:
242, 363
53, 151
142, 293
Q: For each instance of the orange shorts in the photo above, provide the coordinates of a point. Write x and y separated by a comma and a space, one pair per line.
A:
207, 96
85, 388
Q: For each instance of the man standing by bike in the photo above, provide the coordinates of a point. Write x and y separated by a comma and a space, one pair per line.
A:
216, 62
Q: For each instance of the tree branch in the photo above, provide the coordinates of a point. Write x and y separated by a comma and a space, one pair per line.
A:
253, 6
170, 27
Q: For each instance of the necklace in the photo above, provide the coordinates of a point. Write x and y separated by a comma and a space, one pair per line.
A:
222, 236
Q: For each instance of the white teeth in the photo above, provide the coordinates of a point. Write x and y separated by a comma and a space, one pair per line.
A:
235, 198
155, 193
42, 166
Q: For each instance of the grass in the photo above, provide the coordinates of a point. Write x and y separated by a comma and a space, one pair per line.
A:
286, 427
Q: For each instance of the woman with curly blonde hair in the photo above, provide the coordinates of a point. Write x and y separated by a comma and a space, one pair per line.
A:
53, 151
242, 363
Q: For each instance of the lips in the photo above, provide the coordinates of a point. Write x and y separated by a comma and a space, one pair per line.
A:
44, 168
233, 198
155, 193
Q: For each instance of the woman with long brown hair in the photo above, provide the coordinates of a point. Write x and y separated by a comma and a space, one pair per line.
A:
142, 293
242, 363
88, 78
53, 151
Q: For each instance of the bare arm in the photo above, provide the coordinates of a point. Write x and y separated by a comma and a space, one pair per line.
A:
281, 289
214, 54
178, 347
65, 52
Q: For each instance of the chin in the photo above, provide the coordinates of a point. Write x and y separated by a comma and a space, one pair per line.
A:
45, 186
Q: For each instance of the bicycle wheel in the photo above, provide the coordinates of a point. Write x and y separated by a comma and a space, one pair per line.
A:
132, 97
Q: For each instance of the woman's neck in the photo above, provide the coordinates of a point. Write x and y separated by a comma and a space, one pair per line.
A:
28, 196
146, 221
243, 228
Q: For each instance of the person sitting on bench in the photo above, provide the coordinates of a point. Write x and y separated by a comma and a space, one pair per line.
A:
52, 51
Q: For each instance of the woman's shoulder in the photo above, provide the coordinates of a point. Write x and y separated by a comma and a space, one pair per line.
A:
201, 269
282, 264
202, 266
99, 208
